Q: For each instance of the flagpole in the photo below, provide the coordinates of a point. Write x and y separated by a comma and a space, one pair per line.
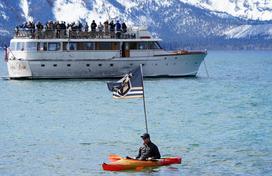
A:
146, 127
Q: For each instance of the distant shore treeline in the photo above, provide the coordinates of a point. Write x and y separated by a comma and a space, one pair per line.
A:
219, 44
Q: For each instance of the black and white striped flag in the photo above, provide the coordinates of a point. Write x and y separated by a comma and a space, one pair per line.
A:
130, 86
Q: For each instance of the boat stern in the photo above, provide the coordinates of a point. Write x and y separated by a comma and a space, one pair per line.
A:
18, 69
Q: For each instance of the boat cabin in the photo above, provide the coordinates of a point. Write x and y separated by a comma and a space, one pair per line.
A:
80, 41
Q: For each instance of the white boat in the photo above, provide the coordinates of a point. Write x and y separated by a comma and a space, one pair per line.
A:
95, 55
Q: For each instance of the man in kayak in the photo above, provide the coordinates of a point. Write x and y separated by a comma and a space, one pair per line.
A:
149, 150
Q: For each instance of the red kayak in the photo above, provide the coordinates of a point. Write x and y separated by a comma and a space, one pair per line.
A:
119, 164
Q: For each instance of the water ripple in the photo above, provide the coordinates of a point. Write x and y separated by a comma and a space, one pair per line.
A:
220, 125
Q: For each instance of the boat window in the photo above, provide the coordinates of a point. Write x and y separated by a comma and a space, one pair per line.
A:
133, 45
72, 46
78, 46
85, 46
69, 46
20, 46
42, 46
54, 46
159, 45
30, 46
154, 45
107, 46
115, 46
12, 46
103, 46
143, 45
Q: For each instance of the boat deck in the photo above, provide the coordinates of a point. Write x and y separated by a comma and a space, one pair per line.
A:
73, 34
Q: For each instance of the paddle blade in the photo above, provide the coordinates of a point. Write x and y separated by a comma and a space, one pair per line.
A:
113, 157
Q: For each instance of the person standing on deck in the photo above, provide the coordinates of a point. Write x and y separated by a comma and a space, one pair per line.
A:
100, 30
124, 27
93, 26
86, 27
106, 27
112, 26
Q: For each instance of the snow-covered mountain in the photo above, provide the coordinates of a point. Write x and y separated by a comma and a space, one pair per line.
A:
248, 9
245, 31
205, 22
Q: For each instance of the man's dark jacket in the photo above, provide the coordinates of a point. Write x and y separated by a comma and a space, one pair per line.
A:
149, 150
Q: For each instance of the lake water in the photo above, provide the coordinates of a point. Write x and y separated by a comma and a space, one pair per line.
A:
221, 125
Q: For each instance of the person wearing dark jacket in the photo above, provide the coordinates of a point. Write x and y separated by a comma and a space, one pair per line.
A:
106, 27
118, 26
112, 29
149, 150
112, 26
93, 26
86, 27
124, 27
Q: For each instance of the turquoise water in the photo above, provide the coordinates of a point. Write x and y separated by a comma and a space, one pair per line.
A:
221, 125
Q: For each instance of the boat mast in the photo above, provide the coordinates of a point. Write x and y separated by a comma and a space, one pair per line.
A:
146, 126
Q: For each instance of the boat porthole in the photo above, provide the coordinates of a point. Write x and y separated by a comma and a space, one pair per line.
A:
68, 65
176, 58
87, 65
143, 64
165, 58
55, 65
111, 65
156, 64
42, 65
130, 64
99, 65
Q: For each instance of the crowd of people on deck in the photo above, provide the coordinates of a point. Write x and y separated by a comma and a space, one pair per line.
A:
106, 27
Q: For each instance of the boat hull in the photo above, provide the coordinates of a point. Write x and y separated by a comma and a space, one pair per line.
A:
155, 66
138, 165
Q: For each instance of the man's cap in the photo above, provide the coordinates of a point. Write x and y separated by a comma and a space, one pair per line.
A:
145, 136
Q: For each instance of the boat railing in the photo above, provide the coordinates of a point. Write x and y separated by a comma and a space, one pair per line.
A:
72, 34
